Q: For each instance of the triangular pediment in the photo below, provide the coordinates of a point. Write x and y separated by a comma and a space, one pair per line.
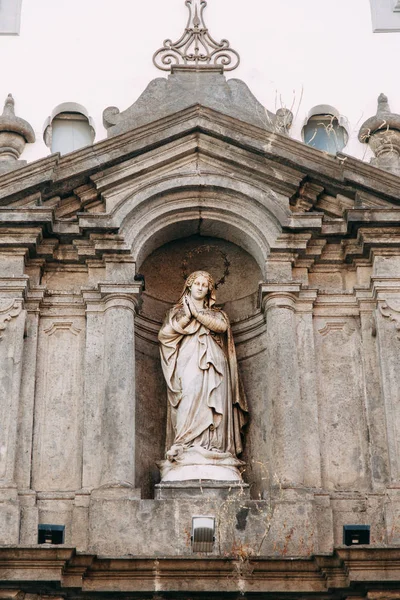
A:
60, 174
302, 189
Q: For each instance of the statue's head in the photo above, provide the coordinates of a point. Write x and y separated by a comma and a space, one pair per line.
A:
200, 277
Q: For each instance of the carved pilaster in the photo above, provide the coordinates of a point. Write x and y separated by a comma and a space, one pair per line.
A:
387, 329
12, 324
374, 401
109, 397
308, 388
23, 467
57, 440
283, 387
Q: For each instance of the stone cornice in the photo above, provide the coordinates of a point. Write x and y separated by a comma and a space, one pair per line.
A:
130, 162
68, 172
369, 568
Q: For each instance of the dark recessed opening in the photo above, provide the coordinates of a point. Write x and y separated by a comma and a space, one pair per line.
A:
51, 534
356, 534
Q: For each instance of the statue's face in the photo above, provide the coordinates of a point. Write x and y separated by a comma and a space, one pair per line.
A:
199, 289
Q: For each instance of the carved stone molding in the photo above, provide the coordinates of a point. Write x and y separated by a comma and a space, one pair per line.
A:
8, 310
390, 309
113, 295
279, 295
63, 326
328, 575
334, 326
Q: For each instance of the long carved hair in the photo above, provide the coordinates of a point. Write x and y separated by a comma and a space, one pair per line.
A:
210, 299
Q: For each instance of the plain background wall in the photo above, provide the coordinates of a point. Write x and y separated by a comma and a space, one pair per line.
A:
296, 54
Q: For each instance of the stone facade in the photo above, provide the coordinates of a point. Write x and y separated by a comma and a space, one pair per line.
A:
94, 247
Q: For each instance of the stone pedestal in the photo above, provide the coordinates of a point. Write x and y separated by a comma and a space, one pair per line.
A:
201, 489
197, 463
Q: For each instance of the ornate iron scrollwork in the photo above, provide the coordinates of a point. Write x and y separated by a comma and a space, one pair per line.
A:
196, 49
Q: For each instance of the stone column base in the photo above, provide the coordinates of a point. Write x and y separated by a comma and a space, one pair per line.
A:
392, 514
9, 515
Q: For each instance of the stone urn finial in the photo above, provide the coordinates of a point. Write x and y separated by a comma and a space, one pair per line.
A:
9, 105
14, 134
382, 133
383, 105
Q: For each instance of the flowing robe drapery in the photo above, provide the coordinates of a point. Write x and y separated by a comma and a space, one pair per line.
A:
206, 407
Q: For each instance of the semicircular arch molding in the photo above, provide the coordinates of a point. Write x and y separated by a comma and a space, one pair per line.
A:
124, 200
169, 217
154, 216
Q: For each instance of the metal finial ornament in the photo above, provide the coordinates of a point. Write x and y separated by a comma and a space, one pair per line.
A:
196, 49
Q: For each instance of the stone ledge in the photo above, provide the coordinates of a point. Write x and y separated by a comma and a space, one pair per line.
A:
201, 489
369, 568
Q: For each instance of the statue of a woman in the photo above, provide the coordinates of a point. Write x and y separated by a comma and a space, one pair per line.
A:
206, 410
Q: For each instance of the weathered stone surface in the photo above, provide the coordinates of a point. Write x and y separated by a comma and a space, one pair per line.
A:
14, 133
182, 89
283, 389
276, 527
382, 133
9, 515
83, 409
201, 489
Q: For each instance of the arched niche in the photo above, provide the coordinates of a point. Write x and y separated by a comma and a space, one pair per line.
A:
163, 219
237, 274
252, 218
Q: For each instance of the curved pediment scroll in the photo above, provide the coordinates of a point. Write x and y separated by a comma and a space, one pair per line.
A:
8, 311
390, 309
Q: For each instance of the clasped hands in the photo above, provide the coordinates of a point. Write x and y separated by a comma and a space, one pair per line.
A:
189, 307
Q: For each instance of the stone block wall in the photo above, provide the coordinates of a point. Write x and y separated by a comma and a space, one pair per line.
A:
85, 420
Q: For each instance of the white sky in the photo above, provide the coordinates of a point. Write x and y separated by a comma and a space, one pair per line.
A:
99, 53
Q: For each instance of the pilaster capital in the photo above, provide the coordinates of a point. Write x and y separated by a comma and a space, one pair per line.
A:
14, 287
383, 287
306, 300
113, 295
278, 295
34, 298
365, 300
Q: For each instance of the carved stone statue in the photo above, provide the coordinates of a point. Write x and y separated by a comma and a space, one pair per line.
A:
206, 409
